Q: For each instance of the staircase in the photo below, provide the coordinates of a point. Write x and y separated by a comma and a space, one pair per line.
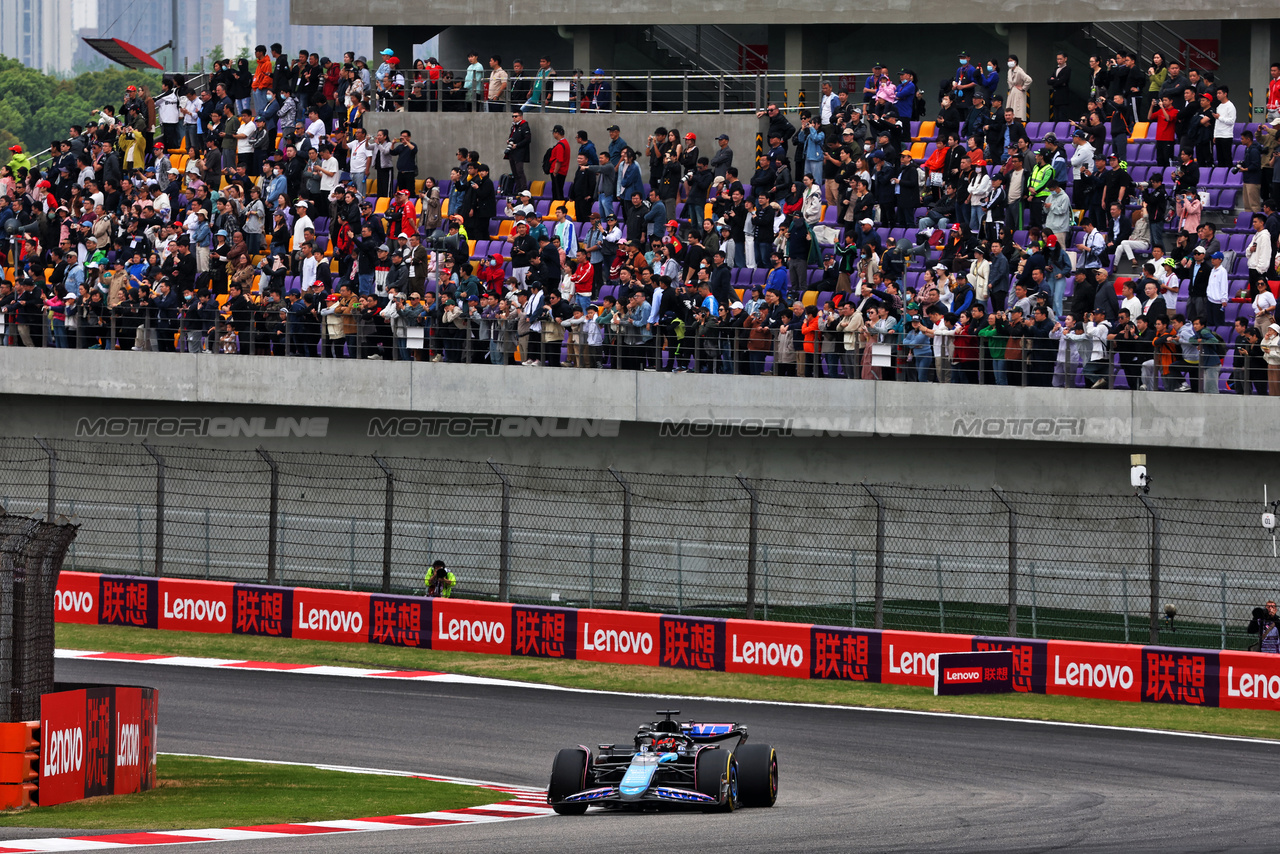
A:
706, 48
707, 52
1143, 38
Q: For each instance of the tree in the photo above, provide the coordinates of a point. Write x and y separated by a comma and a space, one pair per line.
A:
36, 108
53, 119
12, 119
216, 54
242, 53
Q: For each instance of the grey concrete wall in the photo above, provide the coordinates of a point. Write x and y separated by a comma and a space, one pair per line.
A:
581, 12
1033, 439
439, 135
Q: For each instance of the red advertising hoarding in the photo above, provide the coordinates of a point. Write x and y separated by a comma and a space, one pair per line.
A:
330, 615
97, 740
769, 649
1107, 671
76, 599
618, 637
195, 606
465, 626
911, 658
1101, 670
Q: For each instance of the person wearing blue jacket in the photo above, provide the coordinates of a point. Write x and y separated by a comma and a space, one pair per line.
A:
921, 347
629, 178
988, 78
906, 95
810, 141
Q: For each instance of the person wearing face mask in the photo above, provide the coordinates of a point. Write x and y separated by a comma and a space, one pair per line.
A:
1019, 80
988, 80
278, 188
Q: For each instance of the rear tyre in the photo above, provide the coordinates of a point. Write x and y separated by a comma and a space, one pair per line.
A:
713, 768
758, 775
568, 777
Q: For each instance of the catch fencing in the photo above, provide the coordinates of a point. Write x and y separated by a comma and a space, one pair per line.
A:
983, 562
31, 556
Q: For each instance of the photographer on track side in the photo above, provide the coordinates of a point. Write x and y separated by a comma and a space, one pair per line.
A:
1266, 625
440, 581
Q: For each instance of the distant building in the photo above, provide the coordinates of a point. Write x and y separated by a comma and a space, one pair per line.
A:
147, 24
38, 33
274, 26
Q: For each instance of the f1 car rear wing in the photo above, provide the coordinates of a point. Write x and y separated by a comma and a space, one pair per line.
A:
709, 732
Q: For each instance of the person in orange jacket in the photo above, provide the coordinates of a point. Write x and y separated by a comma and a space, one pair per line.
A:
812, 329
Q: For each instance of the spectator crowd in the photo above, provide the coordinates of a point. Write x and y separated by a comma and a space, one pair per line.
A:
887, 232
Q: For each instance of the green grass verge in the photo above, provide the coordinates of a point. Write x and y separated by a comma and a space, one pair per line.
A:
195, 793
653, 680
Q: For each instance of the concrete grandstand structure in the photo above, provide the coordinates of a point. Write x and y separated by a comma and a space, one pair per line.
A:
809, 36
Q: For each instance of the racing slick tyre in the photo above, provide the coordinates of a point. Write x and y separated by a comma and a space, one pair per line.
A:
568, 777
713, 767
758, 775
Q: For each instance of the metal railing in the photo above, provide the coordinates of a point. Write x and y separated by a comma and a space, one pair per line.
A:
728, 348
1144, 38
195, 82
1095, 567
628, 92
707, 48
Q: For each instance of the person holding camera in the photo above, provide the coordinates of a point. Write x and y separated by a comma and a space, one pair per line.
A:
440, 581
1266, 625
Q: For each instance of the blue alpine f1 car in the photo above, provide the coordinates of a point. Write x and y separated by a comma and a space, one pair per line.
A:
672, 764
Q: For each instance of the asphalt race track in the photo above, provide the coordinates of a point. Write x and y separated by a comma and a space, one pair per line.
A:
850, 780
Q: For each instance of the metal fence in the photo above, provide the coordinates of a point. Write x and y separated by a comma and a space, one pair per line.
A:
628, 92
31, 556
1095, 567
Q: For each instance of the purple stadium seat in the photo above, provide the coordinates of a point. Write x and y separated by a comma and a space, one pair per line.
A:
542, 206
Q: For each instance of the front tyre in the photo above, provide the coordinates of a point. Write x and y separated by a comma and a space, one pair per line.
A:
568, 777
758, 775
717, 777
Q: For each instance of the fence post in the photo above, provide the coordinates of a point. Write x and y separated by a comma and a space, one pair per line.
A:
752, 527
1155, 567
626, 539
504, 536
53, 476
386, 525
1013, 563
880, 519
274, 514
155, 455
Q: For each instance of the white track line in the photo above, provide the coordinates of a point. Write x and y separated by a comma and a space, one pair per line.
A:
365, 673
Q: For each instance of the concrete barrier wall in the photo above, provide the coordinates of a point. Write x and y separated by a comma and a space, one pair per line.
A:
855, 408
439, 135
492, 13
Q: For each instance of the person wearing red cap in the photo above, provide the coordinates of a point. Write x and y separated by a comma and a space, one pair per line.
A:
18, 159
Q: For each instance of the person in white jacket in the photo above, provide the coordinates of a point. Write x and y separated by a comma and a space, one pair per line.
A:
980, 274
979, 190
1258, 252
1082, 157
1073, 345
1097, 330
943, 334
